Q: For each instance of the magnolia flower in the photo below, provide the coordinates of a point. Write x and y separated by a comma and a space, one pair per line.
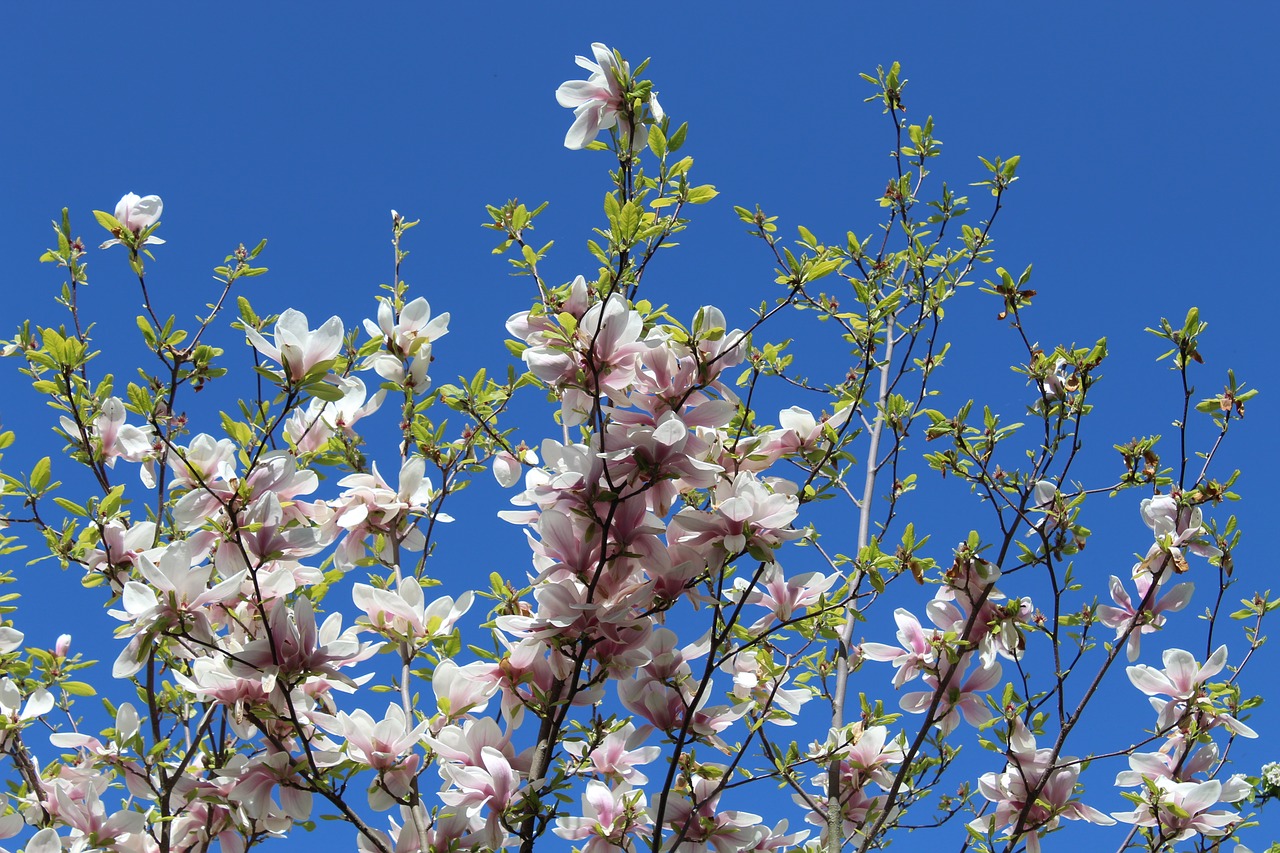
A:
962, 700
1148, 620
608, 816
507, 467
1060, 381
1033, 770
917, 655
1176, 528
595, 101
1181, 809
299, 348
386, 745
405, 615
10, 639
136, 215
414, 328
13, 713
803, 432
492, 782
1183, 680
616, 756
115, 438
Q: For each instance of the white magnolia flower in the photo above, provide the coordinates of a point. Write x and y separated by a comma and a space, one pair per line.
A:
595, 101
298, 347
137, 214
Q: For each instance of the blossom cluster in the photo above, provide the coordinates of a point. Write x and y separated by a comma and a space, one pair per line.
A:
262, 601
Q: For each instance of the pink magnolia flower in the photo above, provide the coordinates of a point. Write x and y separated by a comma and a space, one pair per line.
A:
917, 654
616, 756
1151, 619
297, 645
14, 713
803, 432
1172, 764
608, 817
462, 690
111, 438
386, 745
405, 615
1181, 810
747, 516
783, 597
212, 680
354, 405
307, 429
412, 330
369, 505
136, 215
299, 348
492, 783
1175, 528
595, 101
1028, 769
958, 700
1183, 680
698, 817
871, 754
121, 832
176, 594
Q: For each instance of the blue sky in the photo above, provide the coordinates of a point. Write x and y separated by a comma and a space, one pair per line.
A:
1146, 136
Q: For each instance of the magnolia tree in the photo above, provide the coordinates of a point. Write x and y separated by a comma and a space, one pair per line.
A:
685, 664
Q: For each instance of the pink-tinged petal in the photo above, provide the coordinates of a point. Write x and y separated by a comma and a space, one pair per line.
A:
983, 678
1149, 680
575, 93
40, 703
1176, 598
881, 652
1181, 669
586, 125
1234, 725
604, 56
1200, 797
910, 634
261, 344
123, 206
45, 841
1112, 617
1213, 665
916, 703
974, 710
1119, 594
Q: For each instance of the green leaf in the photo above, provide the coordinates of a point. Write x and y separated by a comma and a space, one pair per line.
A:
657, 141
677, 139
702, 194
325, 391
40, 475
109, 222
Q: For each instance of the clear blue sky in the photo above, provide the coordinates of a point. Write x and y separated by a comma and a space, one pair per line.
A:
1146, 133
